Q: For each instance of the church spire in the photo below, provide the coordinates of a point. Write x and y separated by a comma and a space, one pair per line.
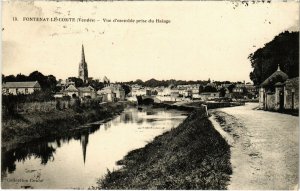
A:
83, 71
82, 55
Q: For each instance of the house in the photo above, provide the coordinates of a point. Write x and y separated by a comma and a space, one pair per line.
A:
278, 92
107, 94
71, 91
239, 88
120, 92
86, 92
63, 84
137, 91
111, 93
20, 87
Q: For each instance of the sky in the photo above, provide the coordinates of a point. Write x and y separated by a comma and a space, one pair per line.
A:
203, 39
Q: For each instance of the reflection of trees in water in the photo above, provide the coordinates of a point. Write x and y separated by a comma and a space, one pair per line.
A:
126, 117
151, 112
43, 150
107, 125
21, 154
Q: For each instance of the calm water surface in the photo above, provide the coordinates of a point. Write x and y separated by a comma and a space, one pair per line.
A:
79, 160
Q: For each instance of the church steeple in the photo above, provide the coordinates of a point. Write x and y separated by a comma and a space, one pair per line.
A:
82, 55
83, 71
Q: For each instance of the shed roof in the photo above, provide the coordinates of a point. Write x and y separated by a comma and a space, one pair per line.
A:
71, 88
278, 76
86, 89
29, 84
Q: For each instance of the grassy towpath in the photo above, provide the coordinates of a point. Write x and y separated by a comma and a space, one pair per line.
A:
192, 156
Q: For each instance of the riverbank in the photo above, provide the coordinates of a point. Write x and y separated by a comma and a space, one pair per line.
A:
30, 126
192, 156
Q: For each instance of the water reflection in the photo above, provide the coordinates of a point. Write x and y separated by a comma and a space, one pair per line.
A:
84, 156
84, 140
44, 150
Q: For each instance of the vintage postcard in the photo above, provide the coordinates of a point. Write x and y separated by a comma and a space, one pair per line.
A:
200, 95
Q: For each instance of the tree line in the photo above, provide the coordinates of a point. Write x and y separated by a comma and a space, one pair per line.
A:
46, 82
165, 83
283, 50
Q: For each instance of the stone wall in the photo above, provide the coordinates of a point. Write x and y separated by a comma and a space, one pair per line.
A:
270, 102
47, 106
30, 107
292, 94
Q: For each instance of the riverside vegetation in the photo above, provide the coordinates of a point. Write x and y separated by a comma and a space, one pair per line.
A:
192, 156
25, 127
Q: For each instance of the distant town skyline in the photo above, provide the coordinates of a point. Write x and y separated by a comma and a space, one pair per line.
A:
204, 39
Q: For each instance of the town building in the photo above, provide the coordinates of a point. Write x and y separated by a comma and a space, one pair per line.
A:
88, 92
112, 93
239, 88
20, 87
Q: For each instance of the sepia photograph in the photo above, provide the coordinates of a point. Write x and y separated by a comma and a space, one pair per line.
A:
150, 95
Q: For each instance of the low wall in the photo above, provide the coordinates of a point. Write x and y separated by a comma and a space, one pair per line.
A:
30, 107
47, 106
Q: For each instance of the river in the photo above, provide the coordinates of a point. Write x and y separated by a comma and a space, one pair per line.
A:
78, 161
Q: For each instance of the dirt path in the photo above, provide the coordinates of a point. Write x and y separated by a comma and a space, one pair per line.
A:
264, 152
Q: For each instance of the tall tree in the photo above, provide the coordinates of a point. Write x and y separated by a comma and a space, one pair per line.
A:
126, 89
283, 50
78, 81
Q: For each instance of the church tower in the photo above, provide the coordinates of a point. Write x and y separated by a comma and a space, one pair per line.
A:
83, 71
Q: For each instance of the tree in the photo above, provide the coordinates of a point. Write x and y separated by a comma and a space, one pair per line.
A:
283, 50
21, 78
51, 82
96, 84
201, 89
152, 83
210, 89
46, 82
9, 78
38, 76
126, 89
230, 87
78, 81
222, 92
139, 82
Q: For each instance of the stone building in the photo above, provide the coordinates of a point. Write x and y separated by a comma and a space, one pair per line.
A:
291, 90
71, 91
86, 92
278, 92
20, 87
83, 70
112, 93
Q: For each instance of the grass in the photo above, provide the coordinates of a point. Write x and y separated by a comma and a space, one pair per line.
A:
191, 156
27, 127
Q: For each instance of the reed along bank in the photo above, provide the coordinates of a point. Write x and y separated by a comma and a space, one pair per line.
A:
192, 156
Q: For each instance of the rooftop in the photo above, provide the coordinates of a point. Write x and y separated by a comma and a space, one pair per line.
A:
29, 84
